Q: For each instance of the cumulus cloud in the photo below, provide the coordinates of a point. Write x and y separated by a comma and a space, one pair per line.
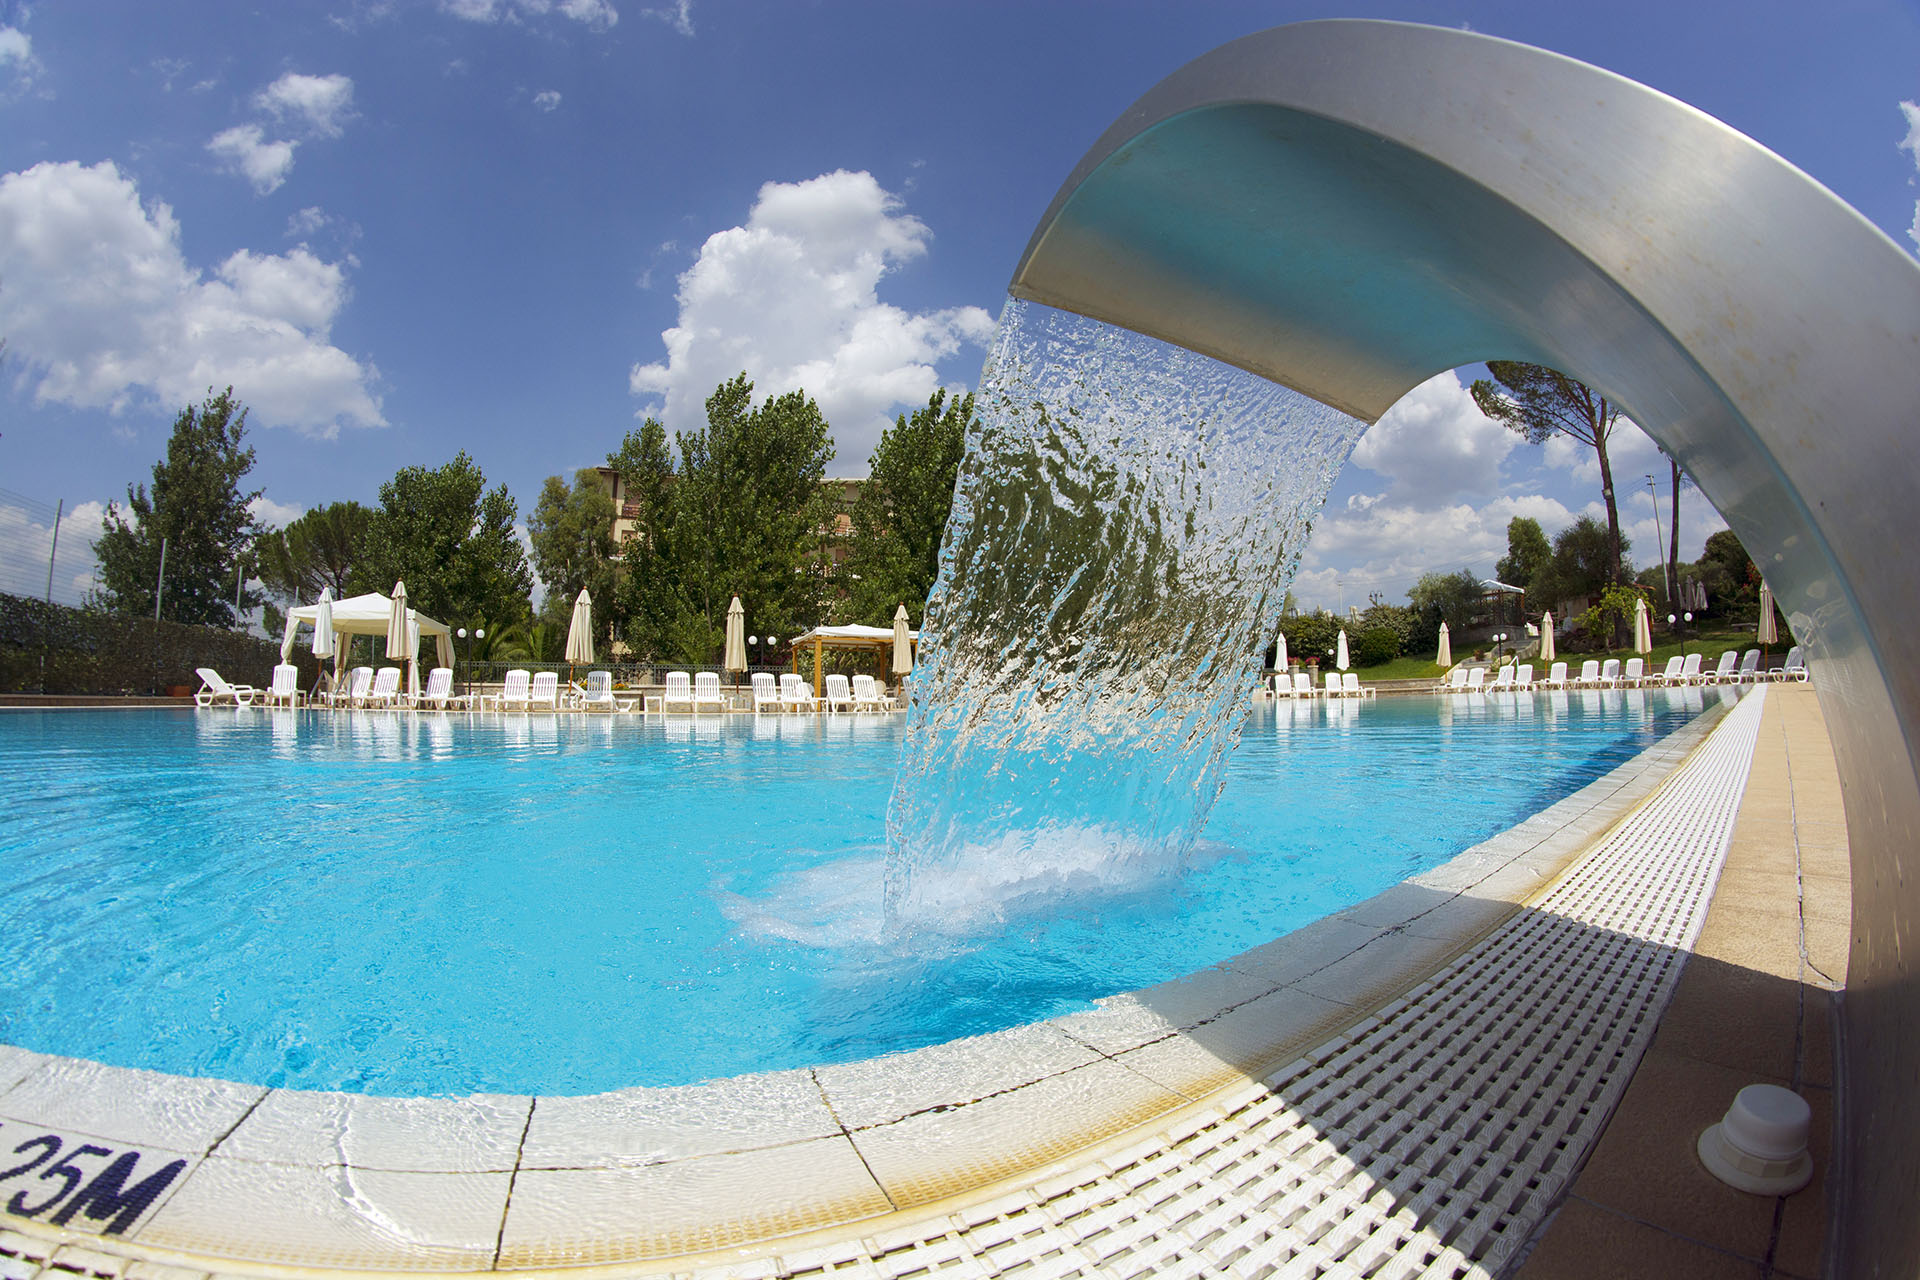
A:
103, 310
547, 99
246, 150
27, 550
275, 515
596, 15
1911, 145
790, 297
321, 103
1631, 454
1434, 444
18, 66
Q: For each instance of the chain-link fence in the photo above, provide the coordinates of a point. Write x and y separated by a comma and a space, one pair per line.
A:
46, 548
50, 648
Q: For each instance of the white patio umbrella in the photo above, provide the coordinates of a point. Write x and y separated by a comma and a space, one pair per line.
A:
1546, 637
413, 655
1280, 652
1445, 656
736, 660
397, 621
323, 637
1768, 633
902, 646
580, 632
1340, 652
1642, 632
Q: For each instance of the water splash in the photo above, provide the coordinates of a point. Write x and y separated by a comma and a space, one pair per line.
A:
1127, 519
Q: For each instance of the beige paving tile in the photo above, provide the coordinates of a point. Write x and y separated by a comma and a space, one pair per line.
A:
1396, 906
1244, 1044
1733, 1016
1773, 949
333, 1217
646, 1126
1828, 899
881, 1090
1646, 1167
16, 1065
1803, 1218
136, 1108
1380, 970
933, 1155
575, 1217
1586, 1242
1123, 1022
1828, 945
426, 1135
1289, 958
1465, 919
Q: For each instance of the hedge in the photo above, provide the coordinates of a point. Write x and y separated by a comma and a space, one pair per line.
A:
50, 648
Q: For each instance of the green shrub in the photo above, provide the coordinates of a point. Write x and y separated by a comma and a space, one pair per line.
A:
1375, 646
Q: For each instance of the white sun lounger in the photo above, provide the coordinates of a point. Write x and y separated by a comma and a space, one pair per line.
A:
214, 690
839, 695
597, 694
796, 694
1610, 674
386, 689
1635, 674
544, 691
513, 691
868, 696
1556, 677
1477, 680
1749, 667
1690, 672
1302, 685
1523, 679
679, 692
359, 681
284, 689
1796, 665
1332, 683
1456, 681
706, 691
766, 692
1724, 673
1671, 674
1589, 677
1502, 683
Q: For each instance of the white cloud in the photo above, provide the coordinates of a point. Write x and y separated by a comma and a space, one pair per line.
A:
245, 148
1631, 455
18, 66
1436, 446
27, 551
308, 221
275, 515
677, 15
596, 15
547, 99
790, 298
322, 103
1911, 145
103, 311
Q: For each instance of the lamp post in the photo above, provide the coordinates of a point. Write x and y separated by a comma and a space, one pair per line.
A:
479, 633
1499, 640
1671, 620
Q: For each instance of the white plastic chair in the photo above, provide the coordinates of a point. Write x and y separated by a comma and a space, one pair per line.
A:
284, 688
386, 689
513, 691
1333, 684
1796, 665
796, 694
214, 690
545, 691
1523, 679
839, 694
1670, 675
706, 691
1477, 680
867, 695
1724, 673
766, 691
1749, 667
1456, 681
1610, 674
1690, 672
439, 692
359, 681
1589, 677
1351, 687
679, 692
1636, 673
1556, 677
1302, 685
1502, 683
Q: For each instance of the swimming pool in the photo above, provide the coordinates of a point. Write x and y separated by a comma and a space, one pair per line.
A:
396, 904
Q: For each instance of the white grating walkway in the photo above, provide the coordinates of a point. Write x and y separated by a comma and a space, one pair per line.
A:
1428, 1140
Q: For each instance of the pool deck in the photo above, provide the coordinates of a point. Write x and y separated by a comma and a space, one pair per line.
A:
1411, 1086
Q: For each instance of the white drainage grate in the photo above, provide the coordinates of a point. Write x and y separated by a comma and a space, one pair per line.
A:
1429, 1140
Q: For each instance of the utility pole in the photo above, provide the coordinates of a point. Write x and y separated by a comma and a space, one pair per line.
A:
160, 579
1659, 537
55, 553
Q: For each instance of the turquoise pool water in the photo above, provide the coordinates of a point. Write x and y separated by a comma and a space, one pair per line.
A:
399, 904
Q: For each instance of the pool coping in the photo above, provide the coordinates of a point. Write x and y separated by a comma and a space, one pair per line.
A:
281, 1182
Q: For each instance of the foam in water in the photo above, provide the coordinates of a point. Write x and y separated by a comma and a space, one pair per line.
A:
1126, 522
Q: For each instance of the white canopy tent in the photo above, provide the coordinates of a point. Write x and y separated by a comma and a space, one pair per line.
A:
876, 640
370, 615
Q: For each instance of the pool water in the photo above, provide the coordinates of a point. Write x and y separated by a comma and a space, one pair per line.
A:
401, 905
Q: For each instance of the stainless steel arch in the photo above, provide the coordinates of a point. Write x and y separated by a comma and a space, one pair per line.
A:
1350, 207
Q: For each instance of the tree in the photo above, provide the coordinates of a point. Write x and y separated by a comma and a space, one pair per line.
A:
750, 515
452, 541
901, 515
316, 552
1528, 552
197, 507
658, 621
1452, 598
1726, 570
572, 535
1583, 564
1538, 403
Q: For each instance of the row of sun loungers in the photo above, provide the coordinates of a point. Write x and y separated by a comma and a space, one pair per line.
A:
1734, 668
1339, 684
540, 690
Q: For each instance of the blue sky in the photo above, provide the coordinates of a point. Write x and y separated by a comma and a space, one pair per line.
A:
509, 226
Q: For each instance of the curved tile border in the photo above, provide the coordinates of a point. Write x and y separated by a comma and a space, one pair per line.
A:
213, 1175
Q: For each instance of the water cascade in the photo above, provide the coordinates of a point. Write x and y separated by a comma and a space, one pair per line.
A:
1128, 517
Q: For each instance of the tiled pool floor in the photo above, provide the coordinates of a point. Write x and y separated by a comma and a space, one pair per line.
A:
1244, 1112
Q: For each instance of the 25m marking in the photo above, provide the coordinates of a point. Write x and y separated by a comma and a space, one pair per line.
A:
65, 1178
